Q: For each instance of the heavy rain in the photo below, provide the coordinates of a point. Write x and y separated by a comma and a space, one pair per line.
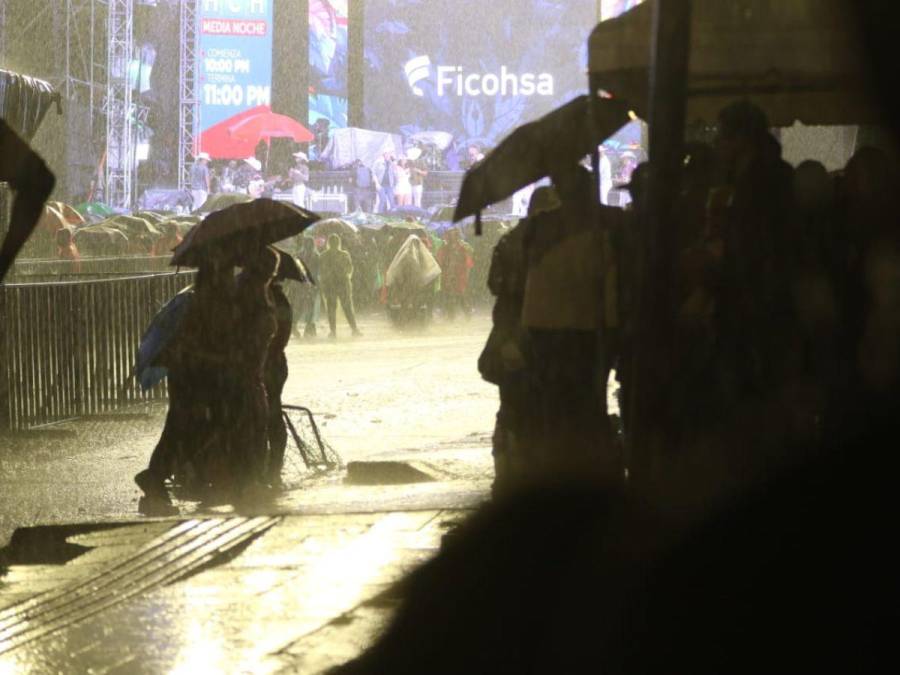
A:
448, 336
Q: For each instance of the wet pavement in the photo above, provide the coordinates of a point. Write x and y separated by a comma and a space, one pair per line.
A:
297, 583
389, 394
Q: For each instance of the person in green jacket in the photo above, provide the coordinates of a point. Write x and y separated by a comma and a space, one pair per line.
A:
335, 274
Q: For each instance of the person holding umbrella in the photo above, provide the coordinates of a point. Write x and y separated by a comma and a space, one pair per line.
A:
247, 431
276, 367
195, 358
218, 418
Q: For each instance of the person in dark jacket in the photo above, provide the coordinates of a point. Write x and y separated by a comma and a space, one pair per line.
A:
504, 360
276, 374
196, 360
335, 277
247, 436
310, 294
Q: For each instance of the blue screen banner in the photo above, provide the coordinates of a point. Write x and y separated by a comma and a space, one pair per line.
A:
235, 71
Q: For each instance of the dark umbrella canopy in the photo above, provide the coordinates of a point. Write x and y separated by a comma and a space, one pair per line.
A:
404, 211
240, 229
223, 201
335, 226
292, 268
537, 149
411, 225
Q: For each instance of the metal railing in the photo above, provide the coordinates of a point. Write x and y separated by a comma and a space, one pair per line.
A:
42, 270
67, 349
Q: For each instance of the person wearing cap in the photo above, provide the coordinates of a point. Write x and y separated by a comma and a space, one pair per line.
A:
245, 172
417, 173
299, 175
200, 180
256, 184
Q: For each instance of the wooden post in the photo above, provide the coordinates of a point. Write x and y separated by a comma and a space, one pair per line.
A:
655, 312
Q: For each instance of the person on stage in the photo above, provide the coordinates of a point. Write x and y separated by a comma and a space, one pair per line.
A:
403, 190
417, 173
299, 175
200, 180
385, 182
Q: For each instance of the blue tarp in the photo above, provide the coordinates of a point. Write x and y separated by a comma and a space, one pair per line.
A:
159, 333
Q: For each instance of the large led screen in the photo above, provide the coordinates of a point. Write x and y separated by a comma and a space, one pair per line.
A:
328, 62
235, 72
473, 68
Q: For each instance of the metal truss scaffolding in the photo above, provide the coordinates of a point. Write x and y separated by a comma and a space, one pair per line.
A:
120, 146
85, 74
189, 103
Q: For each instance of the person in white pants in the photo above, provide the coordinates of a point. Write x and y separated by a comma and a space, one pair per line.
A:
299, 175
200, 180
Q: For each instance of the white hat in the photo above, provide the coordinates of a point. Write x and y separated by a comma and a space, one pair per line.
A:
203, 155
414, 153
301, 155
255, 163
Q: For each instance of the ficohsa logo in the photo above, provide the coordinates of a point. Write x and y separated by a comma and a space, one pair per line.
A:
456, 81
417, 70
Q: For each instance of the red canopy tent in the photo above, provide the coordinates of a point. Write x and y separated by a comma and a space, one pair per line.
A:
238, 136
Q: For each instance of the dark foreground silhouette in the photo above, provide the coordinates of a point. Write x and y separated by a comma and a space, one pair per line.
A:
795, 575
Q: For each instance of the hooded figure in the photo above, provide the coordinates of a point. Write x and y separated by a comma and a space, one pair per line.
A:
411, 276
335, 275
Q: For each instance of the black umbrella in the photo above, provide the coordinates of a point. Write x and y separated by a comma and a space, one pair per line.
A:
335, 226
537, 149
223, 200
240, 229
292, 268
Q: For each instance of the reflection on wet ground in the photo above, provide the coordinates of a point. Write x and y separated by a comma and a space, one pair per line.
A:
374, 397
299, 582
307, 593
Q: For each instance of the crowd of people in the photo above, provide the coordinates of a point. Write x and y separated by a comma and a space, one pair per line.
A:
785, 330
247, 176
407, 273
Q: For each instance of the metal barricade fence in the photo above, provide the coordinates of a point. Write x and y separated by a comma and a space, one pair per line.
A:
68, 348
27, 271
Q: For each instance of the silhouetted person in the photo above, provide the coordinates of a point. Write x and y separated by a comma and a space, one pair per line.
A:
335, 280
66, 248
755, 323
503, 360
276, 374
456, 261
310, 294
197, 359
815, 274
868, 352
254, 330
564, 311
793, 574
